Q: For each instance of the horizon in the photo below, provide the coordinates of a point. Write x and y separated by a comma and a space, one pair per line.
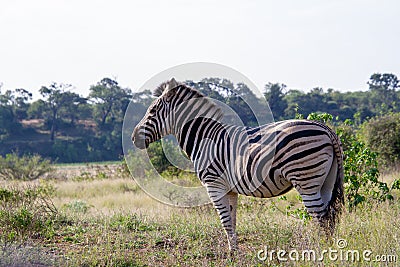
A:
37, 95
336, 45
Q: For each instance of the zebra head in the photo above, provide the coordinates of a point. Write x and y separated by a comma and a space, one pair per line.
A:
154, 124
176, 105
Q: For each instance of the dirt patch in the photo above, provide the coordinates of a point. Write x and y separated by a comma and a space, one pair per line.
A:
33, 123
88, 170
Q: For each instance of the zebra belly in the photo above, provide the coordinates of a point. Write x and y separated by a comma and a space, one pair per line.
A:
263, 188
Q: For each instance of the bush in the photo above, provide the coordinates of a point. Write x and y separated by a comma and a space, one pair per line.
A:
157, 154
13, 167
361, 171
382, 135
361, 176
321, 117
26, 212
181, 177
78, 206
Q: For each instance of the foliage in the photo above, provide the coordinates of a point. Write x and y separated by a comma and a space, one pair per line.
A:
321, 117
383, 91
77, 206
26, 211
14, 167
89, 128
110, 100
382, 135
7, 123
361, 176
57, 97
291, 208
361, 173
275, 96
157, 154
13, 107
181, 177
157, 157
130, 222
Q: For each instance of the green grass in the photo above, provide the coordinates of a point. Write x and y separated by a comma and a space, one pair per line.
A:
111, 222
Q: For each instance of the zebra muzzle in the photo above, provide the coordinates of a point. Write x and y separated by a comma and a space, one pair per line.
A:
138, 141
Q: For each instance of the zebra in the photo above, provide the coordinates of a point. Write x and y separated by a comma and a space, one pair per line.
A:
264, 161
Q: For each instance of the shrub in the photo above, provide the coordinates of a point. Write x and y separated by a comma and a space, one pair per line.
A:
382, 135
321, 117
26, 211
157, 154
13, 167
361, 176
361, 171
181, 177
78, 206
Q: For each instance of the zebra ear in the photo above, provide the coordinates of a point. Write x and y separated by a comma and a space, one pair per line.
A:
172, 83
171, 89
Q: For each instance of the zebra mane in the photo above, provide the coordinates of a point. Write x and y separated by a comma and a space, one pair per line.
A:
213, 110
161, 88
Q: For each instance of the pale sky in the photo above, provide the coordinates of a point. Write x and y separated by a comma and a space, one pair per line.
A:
302, 43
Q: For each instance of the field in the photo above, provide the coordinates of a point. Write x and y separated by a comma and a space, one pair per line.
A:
102, 218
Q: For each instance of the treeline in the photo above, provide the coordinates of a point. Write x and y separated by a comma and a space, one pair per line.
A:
67, 127
381, 97
63, 125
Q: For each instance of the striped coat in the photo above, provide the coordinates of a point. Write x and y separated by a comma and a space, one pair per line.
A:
264, 161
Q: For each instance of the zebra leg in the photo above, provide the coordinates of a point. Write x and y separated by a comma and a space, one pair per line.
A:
318, 207
233, 198
315, 186
221, 201
314, 204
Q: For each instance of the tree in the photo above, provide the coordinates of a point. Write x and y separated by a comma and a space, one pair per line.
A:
110, 99
13, 107
58, 97
210, 88
274, 93
383, 88
145, 98
16, 100
72, 106
37, 109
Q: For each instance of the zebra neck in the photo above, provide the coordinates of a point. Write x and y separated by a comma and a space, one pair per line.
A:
198, 134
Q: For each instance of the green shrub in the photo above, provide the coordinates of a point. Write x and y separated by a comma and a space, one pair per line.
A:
26, 211
13, 167
361, 171
361, 176
157, 155
321, 117
291, 208
78, 206
382, 135
130, 222
181, 177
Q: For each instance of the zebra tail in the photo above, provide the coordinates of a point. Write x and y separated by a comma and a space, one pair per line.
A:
336, 204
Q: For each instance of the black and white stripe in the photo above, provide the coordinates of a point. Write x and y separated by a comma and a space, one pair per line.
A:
264, 161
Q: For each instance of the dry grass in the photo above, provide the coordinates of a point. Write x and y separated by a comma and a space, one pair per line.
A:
107, 196
111, 222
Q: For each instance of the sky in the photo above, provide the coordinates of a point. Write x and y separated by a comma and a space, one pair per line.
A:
303, 44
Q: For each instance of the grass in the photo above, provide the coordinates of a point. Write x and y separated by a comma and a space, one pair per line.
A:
84, 164
109, 221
